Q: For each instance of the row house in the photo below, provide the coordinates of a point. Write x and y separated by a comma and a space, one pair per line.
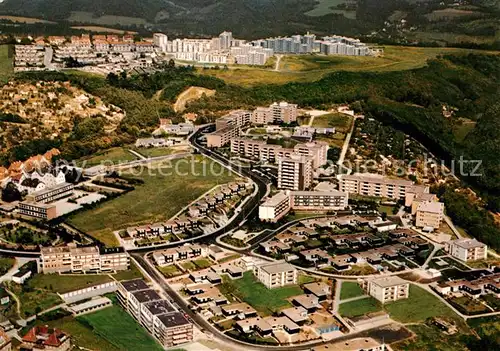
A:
182, 253
489, 284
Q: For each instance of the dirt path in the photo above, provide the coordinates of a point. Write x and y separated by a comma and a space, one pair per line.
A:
191, 93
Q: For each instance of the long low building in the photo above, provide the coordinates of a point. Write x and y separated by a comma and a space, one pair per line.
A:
222, 137
368, 184
90, 259
157, 315
274, 208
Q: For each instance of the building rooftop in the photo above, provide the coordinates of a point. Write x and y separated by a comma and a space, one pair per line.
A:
431, 206
296, 314
389, 281
318, 288
276, 199
159, 307
372, 177
307, 301
146, 295
134, 285
468, 243
175, 319
277, 267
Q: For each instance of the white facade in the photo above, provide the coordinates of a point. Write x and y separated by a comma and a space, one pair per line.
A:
467, 249
276, 274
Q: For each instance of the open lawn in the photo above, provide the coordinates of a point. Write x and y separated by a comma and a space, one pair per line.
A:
6, 263
132, 273
109, 157
419, 306
266, 301
349, 290
157, 151
119, 329
165, 191
359, 307
6, 69
307, 68
338, 121
202, 263
170, 271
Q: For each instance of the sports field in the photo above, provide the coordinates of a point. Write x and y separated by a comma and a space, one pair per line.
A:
166, 190
266, 301
119, 329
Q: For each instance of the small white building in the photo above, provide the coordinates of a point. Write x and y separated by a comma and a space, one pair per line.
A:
467, 249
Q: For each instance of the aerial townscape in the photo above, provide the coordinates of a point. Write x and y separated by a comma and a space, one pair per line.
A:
166, 186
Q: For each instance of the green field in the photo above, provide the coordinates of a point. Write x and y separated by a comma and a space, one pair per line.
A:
165, 191
132, 273
308, 68
419, 306
349, 290
249, 289
119, 329
359, 307
156, 151
109, 157
338, 121
6, 69
170, 271
6, 263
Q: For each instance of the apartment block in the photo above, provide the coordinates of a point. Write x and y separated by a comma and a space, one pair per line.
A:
262, 115
318, 150
234, 119
318, 200
275, 208
83, 259
222, 136
284, 112
276, 274
176, 254
376, 185
157, 315
387, 289
429, 215
467, 249
295, 172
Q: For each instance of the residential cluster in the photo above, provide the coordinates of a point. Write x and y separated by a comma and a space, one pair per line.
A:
428, 211
113, 53
305, 319
202, 216
164, 322
342, 243
309, 43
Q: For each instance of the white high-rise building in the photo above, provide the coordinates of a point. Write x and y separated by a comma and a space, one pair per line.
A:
225, 40
160, 40
295, 172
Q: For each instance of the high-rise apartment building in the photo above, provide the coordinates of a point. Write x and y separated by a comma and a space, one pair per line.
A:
284, 112
160, 40
225, 40
429, 215
295, 172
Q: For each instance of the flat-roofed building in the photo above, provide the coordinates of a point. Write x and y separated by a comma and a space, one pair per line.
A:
368, 184
387, 289
276, 274
274, 208
467, 249
429, 215
318, 150
156, 314
222, 136
295, 172
38, 210
319, 200
51, 194
262, 115
284, 112
90, 259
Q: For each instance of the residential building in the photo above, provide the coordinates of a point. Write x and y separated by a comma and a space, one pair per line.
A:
284, 112
319, 200
45, 338
160, 40
295, 172
274, 208
262, 116
169, 326
276, 274
222, 136
429, 215
181, 253
487, 284
467, 249
387, 289
90, 259
368, 184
